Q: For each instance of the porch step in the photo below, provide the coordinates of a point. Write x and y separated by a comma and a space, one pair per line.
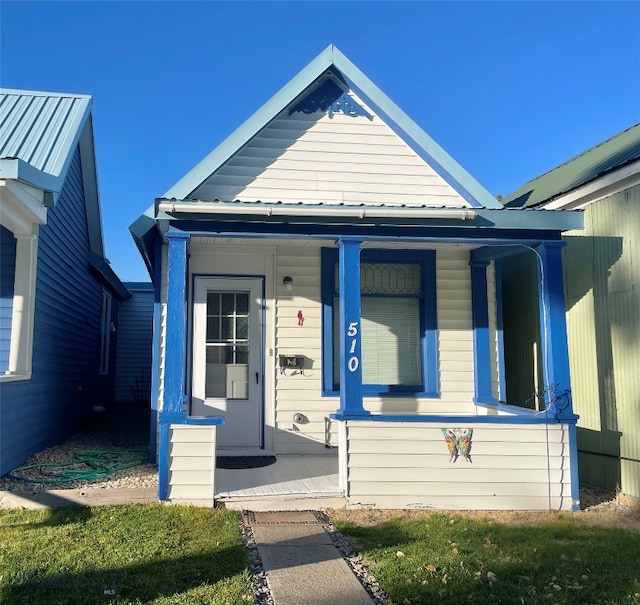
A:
297, 502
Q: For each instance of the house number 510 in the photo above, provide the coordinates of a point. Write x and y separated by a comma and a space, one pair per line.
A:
352, 332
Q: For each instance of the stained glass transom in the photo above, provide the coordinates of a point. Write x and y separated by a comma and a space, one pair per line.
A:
399, 279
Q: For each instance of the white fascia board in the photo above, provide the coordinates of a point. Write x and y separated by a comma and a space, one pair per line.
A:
599, 188
16, 169
21, 206
285, 210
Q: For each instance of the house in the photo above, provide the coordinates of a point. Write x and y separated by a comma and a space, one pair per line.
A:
327, 295
602, 282
59, 297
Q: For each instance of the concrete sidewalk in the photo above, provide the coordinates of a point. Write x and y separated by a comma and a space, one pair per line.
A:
77, 497
301, 563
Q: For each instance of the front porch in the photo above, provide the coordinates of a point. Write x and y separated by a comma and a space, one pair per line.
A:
290, 483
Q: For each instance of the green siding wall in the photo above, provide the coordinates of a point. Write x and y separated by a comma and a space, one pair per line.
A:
602, 277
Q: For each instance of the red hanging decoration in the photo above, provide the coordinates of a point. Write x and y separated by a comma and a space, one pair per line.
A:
300, 318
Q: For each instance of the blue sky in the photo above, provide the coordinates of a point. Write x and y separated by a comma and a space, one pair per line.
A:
509, 89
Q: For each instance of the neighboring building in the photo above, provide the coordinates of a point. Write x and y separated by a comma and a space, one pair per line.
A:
59, 297
326, 293
133, 366
602, 289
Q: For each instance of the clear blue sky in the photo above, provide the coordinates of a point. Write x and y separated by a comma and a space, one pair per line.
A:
509, 89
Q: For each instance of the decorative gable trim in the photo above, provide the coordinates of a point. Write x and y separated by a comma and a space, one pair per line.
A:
331, 98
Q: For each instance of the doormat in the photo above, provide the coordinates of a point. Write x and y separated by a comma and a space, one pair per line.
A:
238, 462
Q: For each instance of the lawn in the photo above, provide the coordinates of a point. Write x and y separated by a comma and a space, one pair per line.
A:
135, 554
422, 558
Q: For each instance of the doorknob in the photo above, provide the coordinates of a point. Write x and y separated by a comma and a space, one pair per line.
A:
257, 378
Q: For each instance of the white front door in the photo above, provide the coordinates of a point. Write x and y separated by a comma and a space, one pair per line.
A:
227, 357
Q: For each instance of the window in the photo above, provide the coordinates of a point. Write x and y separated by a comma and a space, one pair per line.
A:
7, 276
105, 332
398, 318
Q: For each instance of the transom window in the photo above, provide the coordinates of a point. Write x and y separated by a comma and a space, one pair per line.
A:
398, 319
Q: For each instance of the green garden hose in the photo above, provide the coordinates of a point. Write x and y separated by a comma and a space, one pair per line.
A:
88, 465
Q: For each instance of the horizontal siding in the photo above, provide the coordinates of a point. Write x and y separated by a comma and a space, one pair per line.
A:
408, 465
455, 328
315, 158
133, 370
191, 463
295, 392
65, 383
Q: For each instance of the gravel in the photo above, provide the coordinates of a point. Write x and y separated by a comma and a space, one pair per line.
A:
119, 427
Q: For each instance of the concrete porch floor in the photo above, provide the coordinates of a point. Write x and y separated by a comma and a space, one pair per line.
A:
291, 483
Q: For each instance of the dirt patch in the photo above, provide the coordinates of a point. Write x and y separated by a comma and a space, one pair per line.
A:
598, 508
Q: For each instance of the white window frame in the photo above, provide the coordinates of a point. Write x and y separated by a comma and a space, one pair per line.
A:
22, 212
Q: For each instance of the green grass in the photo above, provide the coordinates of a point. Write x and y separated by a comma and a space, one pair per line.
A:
145, 553
442, 558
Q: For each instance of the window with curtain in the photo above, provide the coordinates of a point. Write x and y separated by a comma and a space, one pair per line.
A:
397, 305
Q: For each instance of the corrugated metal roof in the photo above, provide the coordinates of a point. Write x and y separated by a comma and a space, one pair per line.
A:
589, 165
41, 128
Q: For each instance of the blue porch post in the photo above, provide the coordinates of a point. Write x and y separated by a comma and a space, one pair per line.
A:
350, 329
481, 340
555, 351
553, 330
175, 349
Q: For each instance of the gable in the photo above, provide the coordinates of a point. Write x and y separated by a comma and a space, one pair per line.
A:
329, 147
331, 63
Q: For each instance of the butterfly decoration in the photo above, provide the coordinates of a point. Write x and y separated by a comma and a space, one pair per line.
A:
458, 443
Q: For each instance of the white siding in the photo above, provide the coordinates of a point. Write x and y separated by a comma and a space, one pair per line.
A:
192, 451
315, 158
296, 392
407, 465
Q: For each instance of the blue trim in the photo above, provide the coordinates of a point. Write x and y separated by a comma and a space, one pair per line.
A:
573, 467
430, 386
497, 267
163, 462
174, 381
481, 341
155, 366
553, 329
432, 231
327, 261
350, 321
459, 420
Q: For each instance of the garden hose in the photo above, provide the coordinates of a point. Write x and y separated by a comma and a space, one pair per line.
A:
89, 465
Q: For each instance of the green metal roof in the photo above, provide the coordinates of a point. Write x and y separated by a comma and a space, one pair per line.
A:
609, 155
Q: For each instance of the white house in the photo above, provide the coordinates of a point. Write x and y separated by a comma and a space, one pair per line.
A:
328, 287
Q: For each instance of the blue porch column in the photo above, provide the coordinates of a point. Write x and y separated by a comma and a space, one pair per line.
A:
481, 339
553, 330
350, 329
175, 351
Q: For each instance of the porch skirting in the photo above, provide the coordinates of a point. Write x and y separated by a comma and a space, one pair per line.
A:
425, 465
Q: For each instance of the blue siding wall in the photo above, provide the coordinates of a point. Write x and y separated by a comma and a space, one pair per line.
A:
65, 383
135, 333
7, 273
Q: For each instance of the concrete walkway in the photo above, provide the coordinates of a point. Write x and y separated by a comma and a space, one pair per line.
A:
302, 565
77, 497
